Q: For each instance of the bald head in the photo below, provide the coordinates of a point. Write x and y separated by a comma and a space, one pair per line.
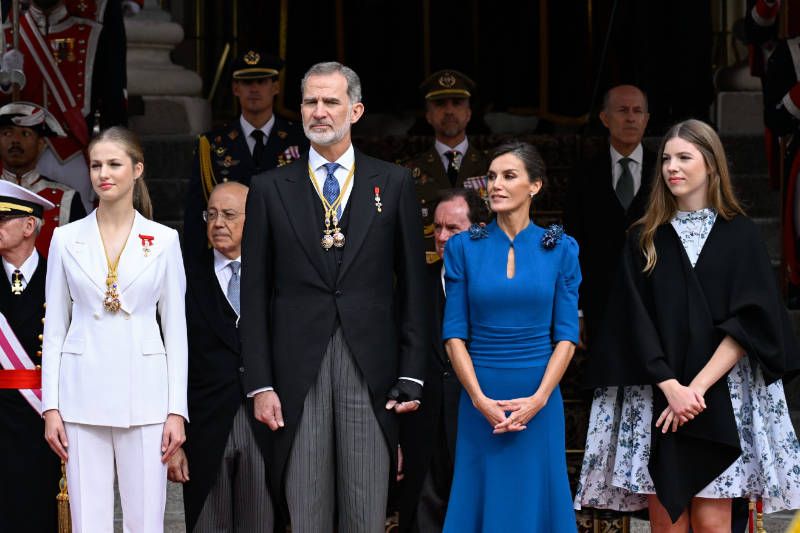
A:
225, 218
625, 115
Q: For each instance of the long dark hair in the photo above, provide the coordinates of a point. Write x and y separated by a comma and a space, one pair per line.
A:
129, 142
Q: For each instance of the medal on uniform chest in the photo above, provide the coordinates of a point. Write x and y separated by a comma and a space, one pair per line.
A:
332, 235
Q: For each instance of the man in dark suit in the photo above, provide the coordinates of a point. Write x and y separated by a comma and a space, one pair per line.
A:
334, 313
428, 436
606, 195
29, 470
260, 140
225, 447
451, 161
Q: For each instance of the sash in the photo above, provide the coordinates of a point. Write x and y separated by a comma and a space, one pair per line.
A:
59, 90
14, 358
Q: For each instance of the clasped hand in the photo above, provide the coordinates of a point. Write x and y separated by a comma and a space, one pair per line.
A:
685, 403
510, 415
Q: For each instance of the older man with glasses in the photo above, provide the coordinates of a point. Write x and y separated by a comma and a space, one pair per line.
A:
222, 465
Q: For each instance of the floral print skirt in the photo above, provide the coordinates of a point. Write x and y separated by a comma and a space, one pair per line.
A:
615, 474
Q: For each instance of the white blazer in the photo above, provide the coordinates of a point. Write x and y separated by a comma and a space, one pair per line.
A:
112, 369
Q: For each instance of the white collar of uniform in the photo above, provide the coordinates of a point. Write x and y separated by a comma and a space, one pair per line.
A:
636, 155
346, 160
248, 128
26, 180
221, 262
56, 16
461, 147
27, 268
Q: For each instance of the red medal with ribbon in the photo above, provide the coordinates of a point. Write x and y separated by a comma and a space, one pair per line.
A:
147, 242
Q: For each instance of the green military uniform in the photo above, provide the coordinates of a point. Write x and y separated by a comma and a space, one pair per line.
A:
430, 177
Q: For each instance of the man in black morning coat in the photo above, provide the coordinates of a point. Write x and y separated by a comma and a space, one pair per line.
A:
329, 334
603, 199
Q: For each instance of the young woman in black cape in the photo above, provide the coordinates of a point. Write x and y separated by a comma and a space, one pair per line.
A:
690, 410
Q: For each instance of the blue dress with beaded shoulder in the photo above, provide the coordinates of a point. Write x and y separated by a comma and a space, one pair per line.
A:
512, 482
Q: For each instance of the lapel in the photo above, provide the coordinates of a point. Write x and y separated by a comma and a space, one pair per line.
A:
298, 197
471, 165
241, 152
361, 205
134, 261
86, 248
431, 166
213, 304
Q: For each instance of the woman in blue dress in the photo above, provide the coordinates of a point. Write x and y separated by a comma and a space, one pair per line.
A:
510, 329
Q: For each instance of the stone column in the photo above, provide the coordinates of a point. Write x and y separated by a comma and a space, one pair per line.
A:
173, 104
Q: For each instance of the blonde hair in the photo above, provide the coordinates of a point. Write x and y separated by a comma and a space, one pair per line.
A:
130, 143
662, 205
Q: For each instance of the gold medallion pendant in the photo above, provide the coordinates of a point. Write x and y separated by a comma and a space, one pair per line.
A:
111, 301
332, 236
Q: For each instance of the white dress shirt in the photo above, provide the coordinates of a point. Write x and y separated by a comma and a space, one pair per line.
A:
27, 269
248, 128
635, 166
442, 149
224, 274
346, 163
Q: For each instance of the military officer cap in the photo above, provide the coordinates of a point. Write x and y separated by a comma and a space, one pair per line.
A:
30, 115
447, 84
16, 201
253, 65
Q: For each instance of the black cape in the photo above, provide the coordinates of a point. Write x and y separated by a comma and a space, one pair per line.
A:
667, 324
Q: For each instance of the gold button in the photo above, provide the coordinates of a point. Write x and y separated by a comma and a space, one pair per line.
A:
39, 353
42, 320
41, 337
44, 305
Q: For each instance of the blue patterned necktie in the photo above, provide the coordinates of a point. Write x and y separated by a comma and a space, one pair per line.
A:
330, 189
234, 285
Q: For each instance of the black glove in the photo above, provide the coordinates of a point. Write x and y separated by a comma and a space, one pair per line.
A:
405, 390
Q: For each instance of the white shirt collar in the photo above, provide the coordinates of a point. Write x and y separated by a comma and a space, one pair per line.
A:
57, 15
636, 155
248, 128
28, 267
26, 180
220, 261
346, 160
461, 147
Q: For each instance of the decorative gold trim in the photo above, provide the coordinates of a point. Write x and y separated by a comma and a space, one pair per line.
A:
259, 70
8, 206
452, 92
218, 74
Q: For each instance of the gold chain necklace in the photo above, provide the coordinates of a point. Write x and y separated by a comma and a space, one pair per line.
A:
331, 236
111, 301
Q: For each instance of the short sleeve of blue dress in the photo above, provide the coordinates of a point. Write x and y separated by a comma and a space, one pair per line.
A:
565, 304
456, 313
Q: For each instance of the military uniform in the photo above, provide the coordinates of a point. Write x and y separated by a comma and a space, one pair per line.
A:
430, 177
223, 154
29, 469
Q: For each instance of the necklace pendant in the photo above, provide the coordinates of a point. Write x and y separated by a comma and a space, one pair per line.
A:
327, 241
111, 301
338, 238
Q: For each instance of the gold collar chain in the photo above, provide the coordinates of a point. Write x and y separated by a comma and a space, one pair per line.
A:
331, 236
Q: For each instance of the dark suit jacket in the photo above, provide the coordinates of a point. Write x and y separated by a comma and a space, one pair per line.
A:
435, 424
231, 160
596, 219
295, 294
215, 390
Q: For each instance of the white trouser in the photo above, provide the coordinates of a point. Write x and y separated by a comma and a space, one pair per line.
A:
142, 478
73, 173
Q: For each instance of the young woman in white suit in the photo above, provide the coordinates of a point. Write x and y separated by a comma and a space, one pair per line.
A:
113, 382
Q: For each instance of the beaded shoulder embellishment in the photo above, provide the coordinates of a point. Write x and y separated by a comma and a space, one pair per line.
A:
476, 231
552, 236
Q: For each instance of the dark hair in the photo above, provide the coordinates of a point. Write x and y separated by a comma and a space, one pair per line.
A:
129, 142
530, 157
477, 212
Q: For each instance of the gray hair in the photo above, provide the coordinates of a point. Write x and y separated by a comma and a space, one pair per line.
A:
38, 223
332, 67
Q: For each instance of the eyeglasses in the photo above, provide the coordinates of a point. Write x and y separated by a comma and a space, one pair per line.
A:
226, 215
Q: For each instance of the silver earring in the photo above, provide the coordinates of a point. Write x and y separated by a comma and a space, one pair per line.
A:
531, 195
